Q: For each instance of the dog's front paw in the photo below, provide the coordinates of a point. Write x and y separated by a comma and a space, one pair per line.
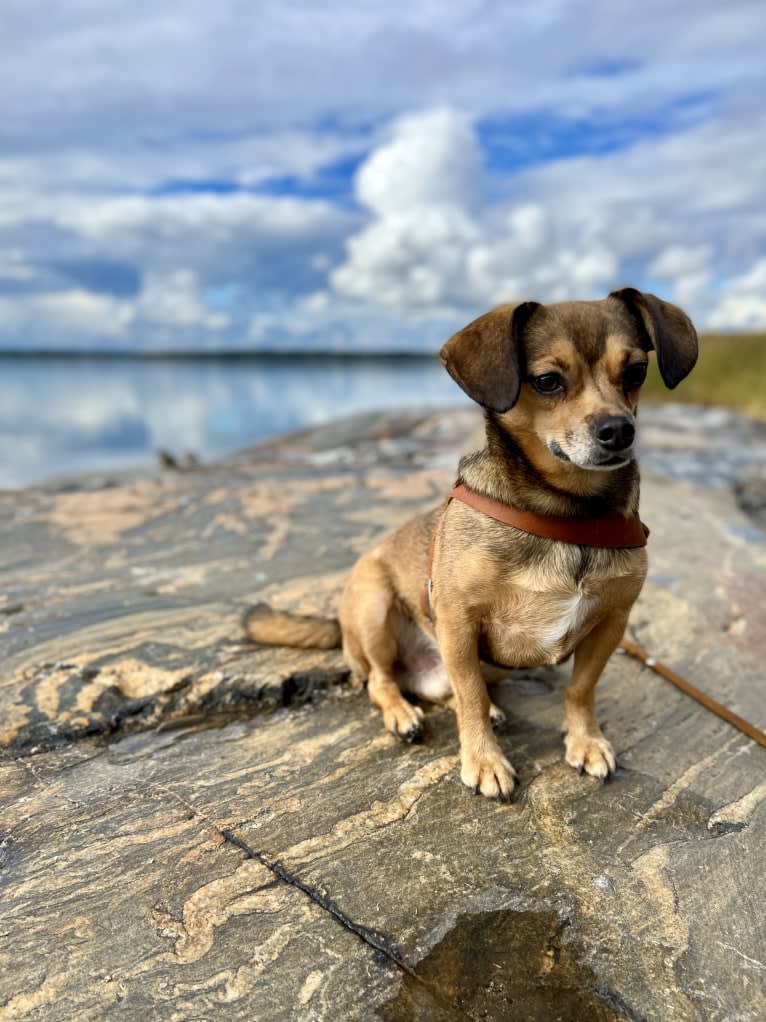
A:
591, 753
404, 720
489, 773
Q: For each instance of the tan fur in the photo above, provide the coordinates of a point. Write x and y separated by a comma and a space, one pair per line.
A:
276, 628
500, 595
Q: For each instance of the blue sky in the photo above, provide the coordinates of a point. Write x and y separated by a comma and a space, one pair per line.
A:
365, 176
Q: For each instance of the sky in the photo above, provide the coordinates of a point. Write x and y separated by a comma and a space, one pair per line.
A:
365, 176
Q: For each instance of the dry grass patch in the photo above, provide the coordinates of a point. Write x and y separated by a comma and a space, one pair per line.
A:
731, 373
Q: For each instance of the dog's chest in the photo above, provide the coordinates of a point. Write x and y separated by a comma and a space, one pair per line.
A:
538, 619
568, 613
536, 631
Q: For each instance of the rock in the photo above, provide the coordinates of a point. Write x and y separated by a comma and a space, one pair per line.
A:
704, 446
750, 490
195, 827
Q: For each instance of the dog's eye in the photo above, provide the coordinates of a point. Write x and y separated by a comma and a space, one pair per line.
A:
548, 383
634, 375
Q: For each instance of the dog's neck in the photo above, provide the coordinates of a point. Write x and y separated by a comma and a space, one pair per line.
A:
519, 472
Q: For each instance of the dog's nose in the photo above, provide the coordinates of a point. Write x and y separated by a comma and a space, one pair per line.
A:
615, 432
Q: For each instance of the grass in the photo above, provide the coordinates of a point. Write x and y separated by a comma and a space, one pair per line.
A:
730, 373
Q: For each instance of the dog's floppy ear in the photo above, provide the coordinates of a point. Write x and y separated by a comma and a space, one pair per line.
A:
485, 357
669, 331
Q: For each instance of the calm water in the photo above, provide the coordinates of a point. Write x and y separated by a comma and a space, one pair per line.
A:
71, 414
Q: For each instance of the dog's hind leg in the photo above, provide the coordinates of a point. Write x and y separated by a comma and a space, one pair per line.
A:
368, 619
492, 675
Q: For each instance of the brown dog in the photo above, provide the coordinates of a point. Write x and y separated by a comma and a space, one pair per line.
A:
559, 385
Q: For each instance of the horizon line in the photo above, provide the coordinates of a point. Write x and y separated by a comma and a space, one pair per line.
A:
255, 353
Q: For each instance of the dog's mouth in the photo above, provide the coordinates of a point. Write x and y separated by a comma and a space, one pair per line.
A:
614, 460
605, 460
556, 448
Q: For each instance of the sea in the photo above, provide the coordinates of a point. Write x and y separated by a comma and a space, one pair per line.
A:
66, 414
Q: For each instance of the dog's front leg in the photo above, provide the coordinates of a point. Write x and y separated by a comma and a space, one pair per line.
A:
484, 768
586, 747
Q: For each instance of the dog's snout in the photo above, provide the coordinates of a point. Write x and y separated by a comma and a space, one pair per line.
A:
614, 432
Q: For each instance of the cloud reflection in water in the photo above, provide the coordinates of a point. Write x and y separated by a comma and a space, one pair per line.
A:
69, 415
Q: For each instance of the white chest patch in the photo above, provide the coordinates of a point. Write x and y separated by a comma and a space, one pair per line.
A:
573, 611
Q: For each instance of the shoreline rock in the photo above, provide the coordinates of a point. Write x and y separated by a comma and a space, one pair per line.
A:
270, 852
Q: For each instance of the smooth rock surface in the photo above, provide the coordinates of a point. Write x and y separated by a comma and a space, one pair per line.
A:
195, 828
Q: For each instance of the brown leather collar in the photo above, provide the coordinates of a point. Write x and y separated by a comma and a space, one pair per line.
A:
612, 531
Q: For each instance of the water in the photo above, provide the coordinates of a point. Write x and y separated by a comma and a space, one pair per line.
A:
68, 414
504, 966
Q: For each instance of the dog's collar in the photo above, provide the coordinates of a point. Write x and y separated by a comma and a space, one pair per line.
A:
613, 531
610, 531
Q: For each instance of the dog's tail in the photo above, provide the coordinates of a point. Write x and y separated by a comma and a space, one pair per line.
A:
279, 628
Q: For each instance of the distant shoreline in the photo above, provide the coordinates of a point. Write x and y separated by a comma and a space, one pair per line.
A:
226, 355
750, 342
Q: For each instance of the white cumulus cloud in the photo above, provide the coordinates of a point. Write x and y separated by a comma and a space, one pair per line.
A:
370, 175
742, 303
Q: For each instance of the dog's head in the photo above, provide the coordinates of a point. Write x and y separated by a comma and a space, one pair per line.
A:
570, 374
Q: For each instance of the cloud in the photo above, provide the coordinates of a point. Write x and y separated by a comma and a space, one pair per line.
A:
71, 313
159, 267
421, 187
174, 299
574, 228
327, 175
742, 302
433, 242
431, 159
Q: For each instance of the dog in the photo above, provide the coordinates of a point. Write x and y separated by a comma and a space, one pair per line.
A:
559, 385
